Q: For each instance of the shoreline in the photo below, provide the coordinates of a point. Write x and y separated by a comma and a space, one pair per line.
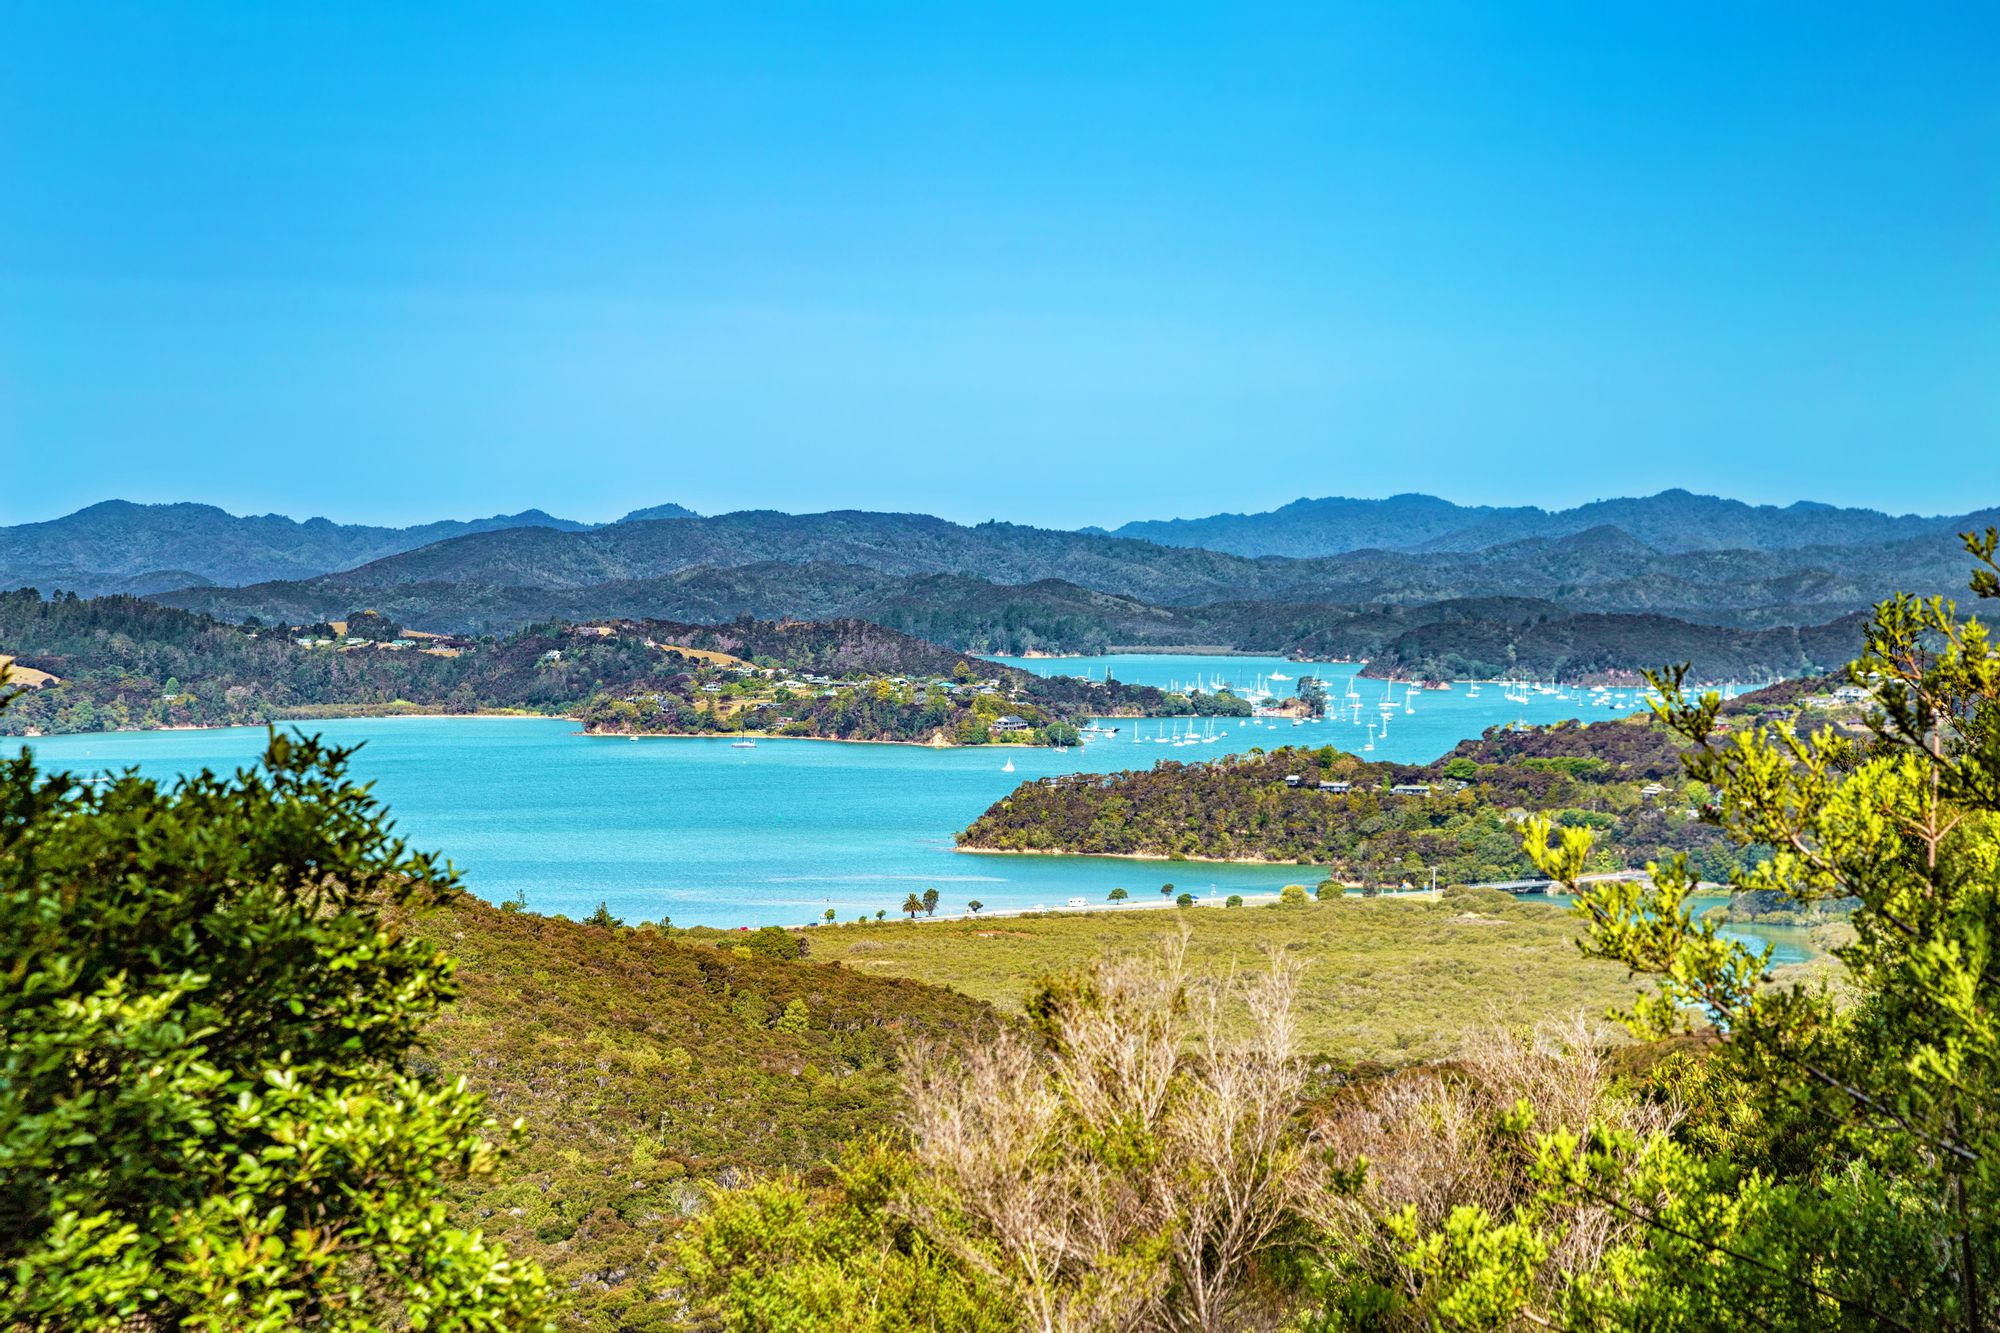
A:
1139, 856
734, 736
496, 715
483, 716
1132, 904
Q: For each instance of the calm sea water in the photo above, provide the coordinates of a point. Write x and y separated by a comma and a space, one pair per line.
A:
708, 834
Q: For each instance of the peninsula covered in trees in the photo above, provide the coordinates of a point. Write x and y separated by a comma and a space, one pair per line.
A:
121, 662
1368, 823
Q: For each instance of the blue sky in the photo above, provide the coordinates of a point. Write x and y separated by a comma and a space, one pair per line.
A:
1061, 264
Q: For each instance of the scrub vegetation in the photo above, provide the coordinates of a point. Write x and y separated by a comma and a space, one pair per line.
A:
648, 1066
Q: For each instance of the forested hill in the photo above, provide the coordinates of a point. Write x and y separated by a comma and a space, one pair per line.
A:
1455, 637
127, 662
1505, 592
123, 662
1460, 814
650, 1064
1595, 647
894, 544
118, 546
833, 647
1673, 522
869, 565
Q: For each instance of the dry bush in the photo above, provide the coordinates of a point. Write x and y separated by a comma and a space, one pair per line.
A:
1430, 1138
1133, 1170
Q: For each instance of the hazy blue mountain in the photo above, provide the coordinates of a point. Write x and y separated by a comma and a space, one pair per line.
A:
774, 564
118, 546
1506, 576
1329, 526
659, 511
1674, 521
888, 543
1679, 521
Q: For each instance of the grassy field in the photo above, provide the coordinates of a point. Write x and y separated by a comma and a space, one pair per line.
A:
1390, 980
24, 675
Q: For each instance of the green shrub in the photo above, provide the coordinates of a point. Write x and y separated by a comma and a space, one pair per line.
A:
775, 942
212, 1115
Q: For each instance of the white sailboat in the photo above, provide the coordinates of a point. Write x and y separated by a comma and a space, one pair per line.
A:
1007, 767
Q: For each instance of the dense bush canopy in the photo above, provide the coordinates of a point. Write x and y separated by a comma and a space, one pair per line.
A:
1465, 822
208, 1113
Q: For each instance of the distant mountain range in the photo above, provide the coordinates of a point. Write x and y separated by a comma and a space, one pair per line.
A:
1672, 522
1413, 579
844, 563
118, 546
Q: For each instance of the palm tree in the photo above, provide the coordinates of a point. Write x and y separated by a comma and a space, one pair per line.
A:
913, 905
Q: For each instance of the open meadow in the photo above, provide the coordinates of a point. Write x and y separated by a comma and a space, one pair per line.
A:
1383, 980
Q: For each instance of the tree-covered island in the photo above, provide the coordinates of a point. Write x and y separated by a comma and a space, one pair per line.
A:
901, 697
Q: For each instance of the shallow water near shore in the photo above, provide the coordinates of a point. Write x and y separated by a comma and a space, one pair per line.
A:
706, 833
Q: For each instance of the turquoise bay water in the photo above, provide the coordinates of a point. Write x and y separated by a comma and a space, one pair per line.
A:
708, 834
1424, 724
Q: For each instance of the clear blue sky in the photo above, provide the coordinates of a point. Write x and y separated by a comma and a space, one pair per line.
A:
396, 262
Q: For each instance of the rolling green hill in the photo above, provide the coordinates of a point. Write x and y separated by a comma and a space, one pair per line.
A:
646, 1065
